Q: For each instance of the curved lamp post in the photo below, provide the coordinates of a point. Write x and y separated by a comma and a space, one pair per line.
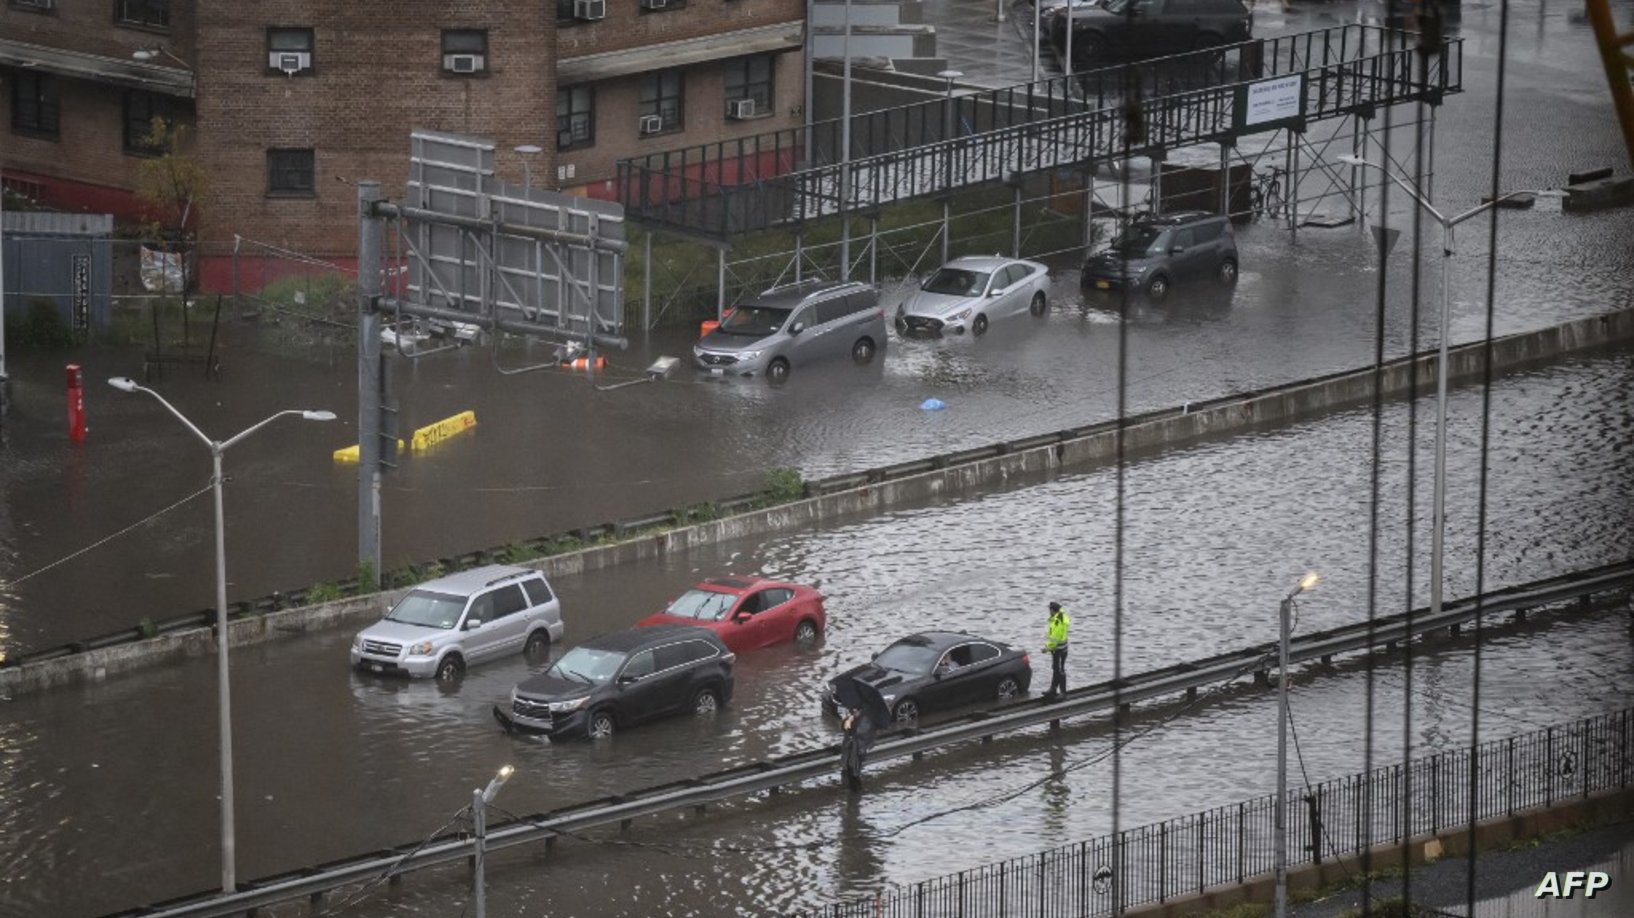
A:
217, 447
1284, 627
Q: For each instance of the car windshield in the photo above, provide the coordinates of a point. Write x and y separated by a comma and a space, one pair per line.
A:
1138, 241
754, 321
428, 610
587, 665
910, 656
703, 605
956, 282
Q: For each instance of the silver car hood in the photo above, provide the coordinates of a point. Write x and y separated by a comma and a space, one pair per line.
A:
400, 633
925, 303
727, 343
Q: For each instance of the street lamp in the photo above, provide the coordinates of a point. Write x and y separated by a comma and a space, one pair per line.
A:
217, 447
947, 137
1439, 493
479, 828
1284, 627
528, 151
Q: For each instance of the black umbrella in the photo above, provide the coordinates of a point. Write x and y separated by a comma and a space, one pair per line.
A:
857, 695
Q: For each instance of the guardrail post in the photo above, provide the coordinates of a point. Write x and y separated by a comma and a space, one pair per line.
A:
1622, 750
1043, 894
1509, 771
1202, 846
961, 894
919, 899
1435, 789
1315, 801
1162, 860
1241, 841
1004, 874
1583, 760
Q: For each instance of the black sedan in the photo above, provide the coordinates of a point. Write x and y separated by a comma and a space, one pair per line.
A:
938, 670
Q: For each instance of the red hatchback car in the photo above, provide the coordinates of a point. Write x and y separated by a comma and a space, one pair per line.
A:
748, 612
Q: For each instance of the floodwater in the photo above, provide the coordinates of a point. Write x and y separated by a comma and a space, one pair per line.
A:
111, 787
550, 452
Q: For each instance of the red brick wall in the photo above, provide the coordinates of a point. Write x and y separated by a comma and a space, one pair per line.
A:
705, 121
627, 26
89, 148
377, 75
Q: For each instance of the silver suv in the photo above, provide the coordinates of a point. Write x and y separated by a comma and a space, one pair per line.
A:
444, 625
1156, 253
797, 324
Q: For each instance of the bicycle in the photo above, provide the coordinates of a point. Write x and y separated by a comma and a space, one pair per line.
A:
1265, 195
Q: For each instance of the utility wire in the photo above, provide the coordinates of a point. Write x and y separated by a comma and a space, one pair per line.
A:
392, 869
106, 539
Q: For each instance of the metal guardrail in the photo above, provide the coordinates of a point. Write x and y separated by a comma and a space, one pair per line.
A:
756, 777
1231, 844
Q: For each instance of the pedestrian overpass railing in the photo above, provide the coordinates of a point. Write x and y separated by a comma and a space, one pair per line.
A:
942, 145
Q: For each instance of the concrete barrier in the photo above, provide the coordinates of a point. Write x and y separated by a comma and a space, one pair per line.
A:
861, 495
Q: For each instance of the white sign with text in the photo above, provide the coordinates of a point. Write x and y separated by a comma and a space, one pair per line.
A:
1274, 100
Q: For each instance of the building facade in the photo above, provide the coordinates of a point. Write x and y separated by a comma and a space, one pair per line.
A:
289, 102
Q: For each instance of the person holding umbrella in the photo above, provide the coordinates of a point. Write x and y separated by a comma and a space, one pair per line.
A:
866, 713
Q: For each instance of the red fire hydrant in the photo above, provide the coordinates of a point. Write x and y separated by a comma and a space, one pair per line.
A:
76, 405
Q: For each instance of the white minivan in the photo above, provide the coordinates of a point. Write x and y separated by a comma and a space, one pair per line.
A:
445, 625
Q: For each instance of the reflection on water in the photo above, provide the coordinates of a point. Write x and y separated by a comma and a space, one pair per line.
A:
331, 763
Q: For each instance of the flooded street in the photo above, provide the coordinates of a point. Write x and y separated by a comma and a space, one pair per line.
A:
331, 763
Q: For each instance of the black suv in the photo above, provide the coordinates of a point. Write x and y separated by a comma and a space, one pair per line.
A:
1135, 29
1155, 253
616, 680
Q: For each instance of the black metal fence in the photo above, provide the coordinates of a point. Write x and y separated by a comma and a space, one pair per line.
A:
750, 183
1231, 844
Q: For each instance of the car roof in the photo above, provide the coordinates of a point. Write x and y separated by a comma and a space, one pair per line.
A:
732, 584
633, 639
464, 583
979, 262
1180, 216
789, 296
944, 639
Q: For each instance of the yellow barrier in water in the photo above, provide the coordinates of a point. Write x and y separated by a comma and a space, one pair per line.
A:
349, 454
432, 434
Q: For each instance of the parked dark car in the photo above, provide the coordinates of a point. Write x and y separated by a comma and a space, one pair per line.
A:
937, 670
621, 679
1156, 253
1134, 29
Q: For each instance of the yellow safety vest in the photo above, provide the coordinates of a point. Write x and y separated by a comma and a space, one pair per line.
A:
1058, 630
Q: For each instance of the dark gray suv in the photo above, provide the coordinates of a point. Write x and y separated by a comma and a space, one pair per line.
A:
1155, 253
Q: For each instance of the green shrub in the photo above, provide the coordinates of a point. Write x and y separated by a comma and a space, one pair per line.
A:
323, 592
41, 327
784, 485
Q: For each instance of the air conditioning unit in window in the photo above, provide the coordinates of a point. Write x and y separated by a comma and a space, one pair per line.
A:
655, 4
463, 63
590, 10
651, 124
289, 62
740, 108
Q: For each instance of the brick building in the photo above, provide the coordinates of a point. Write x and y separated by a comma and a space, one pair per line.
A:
290, 101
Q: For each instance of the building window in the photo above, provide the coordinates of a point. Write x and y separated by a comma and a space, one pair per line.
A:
661, 98
290, 173
564, 11
751, 78
140, 110
37, 6
289, 50
149, 14
575, 117
34, 107
465, 50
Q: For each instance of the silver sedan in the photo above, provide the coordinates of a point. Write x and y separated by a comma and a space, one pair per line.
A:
967, 292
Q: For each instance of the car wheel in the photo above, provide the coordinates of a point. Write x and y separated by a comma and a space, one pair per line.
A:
1039, 304
1228, 272
806, 632
863, 350
707, 701
979, 325
1158, 288
602, 724
1008, 688
538, 644
906, 711
451, 668
777, 371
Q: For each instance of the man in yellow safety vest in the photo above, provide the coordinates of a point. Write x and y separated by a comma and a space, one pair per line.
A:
1055, 644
